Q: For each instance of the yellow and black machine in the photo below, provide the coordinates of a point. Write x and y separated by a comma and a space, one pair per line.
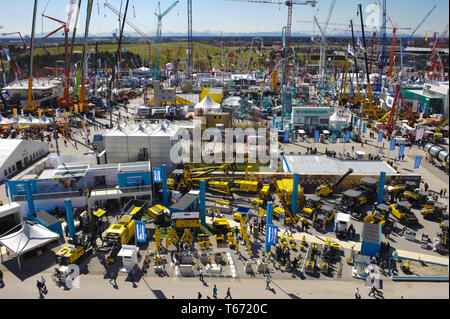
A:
416, 197
323, 216
443, 245
121, 233
284, 189
328, 188
402, 211
186, 220
158, 213
313, 202
379, 216
435, 212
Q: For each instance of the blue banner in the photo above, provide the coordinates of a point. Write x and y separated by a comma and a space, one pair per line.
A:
6, 188
392, 146
156, 175
401, 151
141, 235
272, 234
355, 121
364, 127
286, 136
347, 136
417, 162
380, 136
316, 135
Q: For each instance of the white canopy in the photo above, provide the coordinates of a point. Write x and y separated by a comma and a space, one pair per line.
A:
5, 121
232, 101
29, 237
337, 120
26, 120
206, 105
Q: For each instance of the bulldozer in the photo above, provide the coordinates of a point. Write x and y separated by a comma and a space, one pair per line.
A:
379, 216
329, 188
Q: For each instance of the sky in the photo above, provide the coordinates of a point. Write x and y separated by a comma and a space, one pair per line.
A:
227, 16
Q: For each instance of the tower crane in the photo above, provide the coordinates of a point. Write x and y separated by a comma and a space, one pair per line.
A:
405, 43
323, 43
250, 51
289, 4
395, 28
160, 15
434, 63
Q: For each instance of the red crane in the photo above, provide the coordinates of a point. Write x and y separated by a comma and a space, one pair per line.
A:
16, 67
395, 27
434, 62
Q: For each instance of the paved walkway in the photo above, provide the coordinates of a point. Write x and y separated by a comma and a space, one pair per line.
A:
95, 287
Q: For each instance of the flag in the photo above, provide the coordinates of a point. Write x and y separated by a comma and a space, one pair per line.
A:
392, 146
426, 36
401, 151
347, 136
93, 114
6, 188
141, 235
359, 123
125, 49
419, 134
350, 50
364, 127
21, 112
417, 161
380, 136
358, 42
316, 135
7, 54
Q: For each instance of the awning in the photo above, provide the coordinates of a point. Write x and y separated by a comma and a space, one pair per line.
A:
29, 237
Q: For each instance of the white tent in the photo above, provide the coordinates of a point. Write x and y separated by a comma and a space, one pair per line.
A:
207, 105
4, 121
337, 120
29, 237
26, 121
232, 101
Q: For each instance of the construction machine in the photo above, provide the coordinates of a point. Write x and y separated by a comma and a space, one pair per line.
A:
313, 202
435, 211
284, 189
323, 216
402, 212
416, 197
121, 233
379, 216
438, 136
328, 188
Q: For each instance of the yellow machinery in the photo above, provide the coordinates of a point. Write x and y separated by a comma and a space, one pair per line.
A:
402, 211
312, 203
69, 254
434, 212
264, 192
187, 237
203, 241
123, 231
220, 226
333, 245
220, 239
246, 186
157, 211
277, 211
172, 238
438, 136
284, 188
416, 197
379, 215
325, 268
329, 188
323, 215
231, 240
257, 203
310, 266
183, 220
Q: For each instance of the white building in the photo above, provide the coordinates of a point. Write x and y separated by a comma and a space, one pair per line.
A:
17, 154
310, 118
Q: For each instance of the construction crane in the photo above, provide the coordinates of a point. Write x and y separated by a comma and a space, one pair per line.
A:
405, 43
394, 30
435, 59
289, 4
190, 44
323, 43
30, 78
160, 15
250, 51
343, 24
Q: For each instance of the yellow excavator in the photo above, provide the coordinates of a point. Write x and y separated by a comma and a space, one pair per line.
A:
328, 188
438, 136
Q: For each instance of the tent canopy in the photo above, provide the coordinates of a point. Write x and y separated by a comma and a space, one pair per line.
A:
337, 120
207, 105
29, 237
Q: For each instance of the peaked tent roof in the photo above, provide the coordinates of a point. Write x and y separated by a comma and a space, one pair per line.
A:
206, 104
29, 237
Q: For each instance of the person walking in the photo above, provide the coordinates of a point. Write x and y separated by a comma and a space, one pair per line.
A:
43, 283
267, 282
426, 187
114, 278
215, 292
445, 191
1, 279
199, 295
39, 287
441, 192
373, 290
201, 275
357, 294
228, 293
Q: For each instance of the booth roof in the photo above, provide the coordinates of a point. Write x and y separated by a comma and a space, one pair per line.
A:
29, 237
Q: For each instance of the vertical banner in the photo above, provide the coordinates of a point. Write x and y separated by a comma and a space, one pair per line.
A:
141, 235
392, 145
419, 134
364, 127
286, 136
93, 114
15, 113
381, 187
39, 113
347, 136
380, 136
417, 161
65, 114
316, 135
271, 235
401, 151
